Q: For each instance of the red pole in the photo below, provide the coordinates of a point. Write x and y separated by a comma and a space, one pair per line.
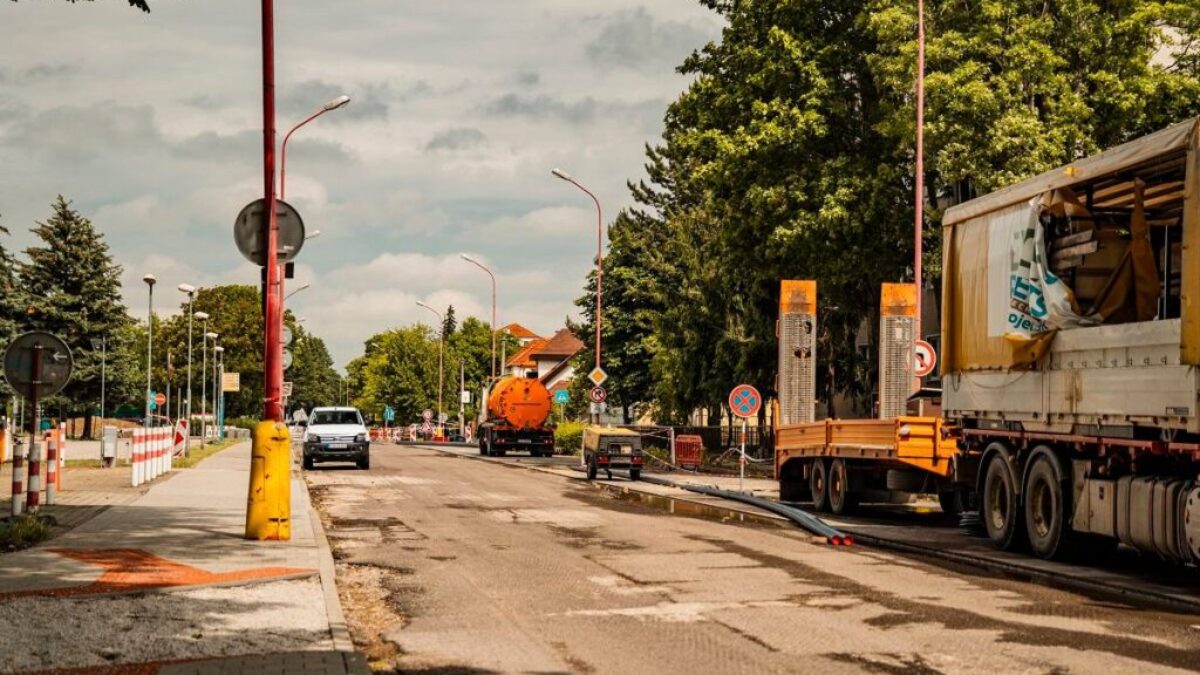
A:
272, 349
920, 182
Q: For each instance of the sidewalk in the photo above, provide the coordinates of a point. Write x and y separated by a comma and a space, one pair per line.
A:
168, 581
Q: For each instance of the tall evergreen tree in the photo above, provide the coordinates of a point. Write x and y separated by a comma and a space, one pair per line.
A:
450, 324
74, 291
12, 303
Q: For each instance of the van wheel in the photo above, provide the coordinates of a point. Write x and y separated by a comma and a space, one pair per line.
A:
841, 499
307, 464
818, 483
1050, 535
635, 474
1000, 509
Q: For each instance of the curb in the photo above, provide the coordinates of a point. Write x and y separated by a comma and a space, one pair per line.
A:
338, 631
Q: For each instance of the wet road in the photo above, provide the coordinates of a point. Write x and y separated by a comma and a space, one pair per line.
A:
451, 564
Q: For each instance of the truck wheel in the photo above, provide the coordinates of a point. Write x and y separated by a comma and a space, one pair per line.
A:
818, 484
1046, 510
841, 499
635, 474
1000, 509
953, 502
482, 447
591, 471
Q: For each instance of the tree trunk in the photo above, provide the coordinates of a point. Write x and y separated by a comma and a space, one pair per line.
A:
87, 424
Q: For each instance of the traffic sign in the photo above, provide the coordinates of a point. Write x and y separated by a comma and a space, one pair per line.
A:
924, 358
427, 415
745, 401
231, 382
288, 357
389, 415
598, 395
599, 408
287, 389
597, 376
286, 336
55, 360
248, 231
562, 397
160, 398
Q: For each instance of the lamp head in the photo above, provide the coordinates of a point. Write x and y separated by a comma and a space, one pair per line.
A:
186, 288
150, 279
211, 336
203, 316
336, 103
559, 173
466, 257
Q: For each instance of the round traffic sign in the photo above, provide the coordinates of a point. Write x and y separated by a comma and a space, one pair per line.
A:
286, 336
745, 401
597, 394
160, 398
53, 356
924, 358
288, 357
249, 231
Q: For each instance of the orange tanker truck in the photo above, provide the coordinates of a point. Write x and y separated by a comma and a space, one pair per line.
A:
518, 410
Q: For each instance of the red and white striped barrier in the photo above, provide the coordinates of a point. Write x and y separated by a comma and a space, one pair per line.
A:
33, 493
151, 454
18, 482
52, 467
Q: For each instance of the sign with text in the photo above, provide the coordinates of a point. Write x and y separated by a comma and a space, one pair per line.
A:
231, 382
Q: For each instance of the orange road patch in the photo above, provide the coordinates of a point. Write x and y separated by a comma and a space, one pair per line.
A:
129, 569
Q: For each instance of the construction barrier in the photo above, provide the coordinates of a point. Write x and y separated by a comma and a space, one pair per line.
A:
689, 451
52, 467
33, 487
150, 454
269, 503
18, 478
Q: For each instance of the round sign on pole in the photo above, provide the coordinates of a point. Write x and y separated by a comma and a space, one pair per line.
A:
249, 228
924, 358
287, 358
55, 362
597, 394
745, 401
160, 399
286, 336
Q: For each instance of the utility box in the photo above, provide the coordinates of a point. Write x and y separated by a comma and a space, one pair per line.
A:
897, 321
108, 446
797, 334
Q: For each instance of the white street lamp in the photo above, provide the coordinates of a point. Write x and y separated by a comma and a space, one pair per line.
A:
441, 355
495, 328
150, 280
297, 290
190, 291
204, 388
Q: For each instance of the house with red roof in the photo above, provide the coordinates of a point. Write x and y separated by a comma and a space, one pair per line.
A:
550, 358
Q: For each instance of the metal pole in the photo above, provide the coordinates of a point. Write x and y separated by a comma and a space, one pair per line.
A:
742, 463
920, 178
203, 383
441, 378
187, 437
272, 349
462, 386
149, 351
103, 375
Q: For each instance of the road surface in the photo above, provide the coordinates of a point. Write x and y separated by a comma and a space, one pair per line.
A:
453, 564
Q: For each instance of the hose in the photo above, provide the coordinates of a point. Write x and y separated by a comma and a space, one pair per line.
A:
800, 517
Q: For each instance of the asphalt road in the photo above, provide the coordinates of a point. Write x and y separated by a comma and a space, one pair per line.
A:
449, 564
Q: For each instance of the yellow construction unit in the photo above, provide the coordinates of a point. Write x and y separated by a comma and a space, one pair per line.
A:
917, 442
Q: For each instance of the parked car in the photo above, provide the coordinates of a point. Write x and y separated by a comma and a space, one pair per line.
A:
336, 435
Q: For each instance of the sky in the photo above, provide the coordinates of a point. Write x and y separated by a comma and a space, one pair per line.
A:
152, 125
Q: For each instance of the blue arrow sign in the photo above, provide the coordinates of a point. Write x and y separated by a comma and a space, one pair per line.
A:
562, 397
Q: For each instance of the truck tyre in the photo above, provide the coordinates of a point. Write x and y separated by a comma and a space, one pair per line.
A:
635, 474
483, 447
818, 483
841, 499
793, 486
1046, 493
591, 470
1001, 511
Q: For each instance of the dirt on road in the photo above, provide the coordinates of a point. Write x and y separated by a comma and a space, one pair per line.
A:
447, 564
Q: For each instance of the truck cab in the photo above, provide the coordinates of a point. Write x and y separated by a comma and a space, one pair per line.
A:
609, 448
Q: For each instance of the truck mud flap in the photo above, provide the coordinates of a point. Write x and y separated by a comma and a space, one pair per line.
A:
1124, 490
1191, 523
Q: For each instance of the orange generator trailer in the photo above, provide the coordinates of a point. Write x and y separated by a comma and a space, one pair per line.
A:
1070, 366
518, 410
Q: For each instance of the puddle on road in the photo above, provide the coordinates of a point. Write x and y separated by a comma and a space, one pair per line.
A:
632, 501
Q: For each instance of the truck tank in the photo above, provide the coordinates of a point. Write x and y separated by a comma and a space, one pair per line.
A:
522, 403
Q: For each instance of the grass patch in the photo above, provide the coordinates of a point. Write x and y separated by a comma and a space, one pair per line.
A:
83, 464
23, 531
204, 452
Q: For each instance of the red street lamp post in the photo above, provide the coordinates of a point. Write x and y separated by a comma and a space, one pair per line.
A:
272, 324
559, 173
920, 177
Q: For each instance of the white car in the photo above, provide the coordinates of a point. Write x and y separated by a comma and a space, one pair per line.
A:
336, 434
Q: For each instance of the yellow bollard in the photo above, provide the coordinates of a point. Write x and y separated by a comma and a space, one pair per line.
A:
269, 505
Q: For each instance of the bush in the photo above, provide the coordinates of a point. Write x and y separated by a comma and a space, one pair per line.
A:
22, 532
568, 437
242, 422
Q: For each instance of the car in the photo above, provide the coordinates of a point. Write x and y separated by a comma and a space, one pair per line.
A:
336, 434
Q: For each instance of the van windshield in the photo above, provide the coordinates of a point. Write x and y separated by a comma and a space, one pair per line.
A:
335, 417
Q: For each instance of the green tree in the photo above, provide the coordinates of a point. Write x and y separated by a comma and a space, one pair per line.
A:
450, 323
74, 292
12, 303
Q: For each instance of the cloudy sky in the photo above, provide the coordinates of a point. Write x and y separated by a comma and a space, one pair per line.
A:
151, 124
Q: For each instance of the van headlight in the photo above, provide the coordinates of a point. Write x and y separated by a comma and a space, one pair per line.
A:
361, 438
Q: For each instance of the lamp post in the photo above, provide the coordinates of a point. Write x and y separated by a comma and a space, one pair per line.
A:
187, 439
441, 355
219, 392
296, 290
559, 173
491, 274
102, 345
204, 386
150, 281
203, 316
920, 177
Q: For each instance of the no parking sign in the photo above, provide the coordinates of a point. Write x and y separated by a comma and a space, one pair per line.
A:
745, 401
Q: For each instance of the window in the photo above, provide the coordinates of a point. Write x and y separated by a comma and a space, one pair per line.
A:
336, 417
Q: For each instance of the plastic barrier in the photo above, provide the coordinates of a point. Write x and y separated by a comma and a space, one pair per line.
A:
689, 451
52, 467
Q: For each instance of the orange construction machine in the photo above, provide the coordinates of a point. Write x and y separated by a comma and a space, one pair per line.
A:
518, 410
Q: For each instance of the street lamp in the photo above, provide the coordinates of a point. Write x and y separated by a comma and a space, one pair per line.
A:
920, 177
219, 392
187, 439
441, 355
559, 173
485, 268
204, 387
296, 290
336, 103
150, 281
101, 345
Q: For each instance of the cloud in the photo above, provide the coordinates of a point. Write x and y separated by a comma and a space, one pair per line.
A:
246, 147
456, 139
86, 129
367, 101
635, 39
37, 73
